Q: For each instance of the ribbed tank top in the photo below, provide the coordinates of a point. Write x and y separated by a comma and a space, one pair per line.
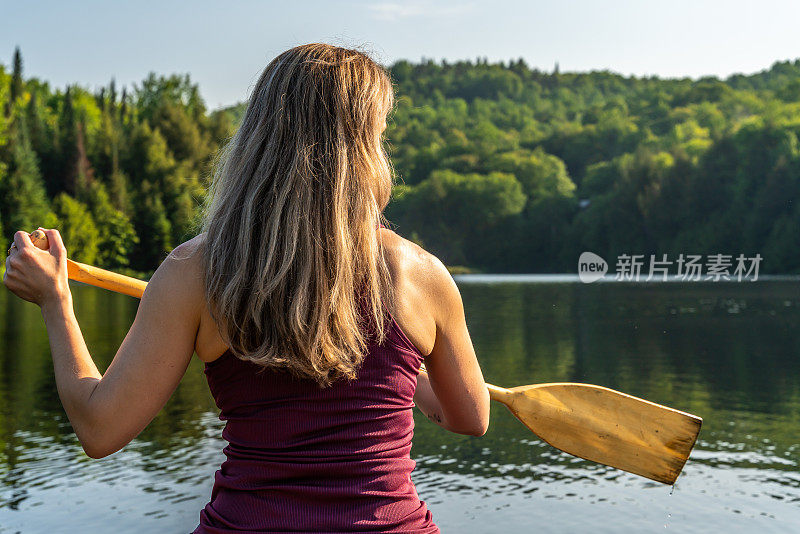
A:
301, 458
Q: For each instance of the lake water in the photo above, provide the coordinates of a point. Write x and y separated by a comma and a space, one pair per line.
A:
725, 351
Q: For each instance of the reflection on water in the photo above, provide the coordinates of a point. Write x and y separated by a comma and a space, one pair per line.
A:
727, 352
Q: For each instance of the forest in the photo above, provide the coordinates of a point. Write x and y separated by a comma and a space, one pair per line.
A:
499, 167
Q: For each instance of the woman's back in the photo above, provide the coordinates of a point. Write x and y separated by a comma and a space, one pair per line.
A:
302, 458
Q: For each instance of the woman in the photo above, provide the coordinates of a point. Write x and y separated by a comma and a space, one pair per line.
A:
312, 319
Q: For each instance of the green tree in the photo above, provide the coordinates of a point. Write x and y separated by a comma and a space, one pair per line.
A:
77, 228
23, 203
542, 175
119, 192
117, 237
153, 228
450, 210
181, 133
16, 77
66, 178
147, 157
16, 86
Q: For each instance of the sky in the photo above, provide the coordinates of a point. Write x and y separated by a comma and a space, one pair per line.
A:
225, 45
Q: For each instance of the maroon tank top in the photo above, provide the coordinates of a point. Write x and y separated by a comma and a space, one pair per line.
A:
301, 458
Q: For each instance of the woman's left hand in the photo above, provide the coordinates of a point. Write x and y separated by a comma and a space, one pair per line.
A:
38, 276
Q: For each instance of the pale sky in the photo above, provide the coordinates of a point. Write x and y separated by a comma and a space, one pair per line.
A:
225, 45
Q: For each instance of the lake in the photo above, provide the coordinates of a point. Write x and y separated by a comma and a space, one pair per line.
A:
727, 352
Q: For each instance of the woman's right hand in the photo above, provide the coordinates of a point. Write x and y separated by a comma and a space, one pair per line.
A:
38, 276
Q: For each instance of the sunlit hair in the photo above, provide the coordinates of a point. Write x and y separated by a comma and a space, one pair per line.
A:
294, 270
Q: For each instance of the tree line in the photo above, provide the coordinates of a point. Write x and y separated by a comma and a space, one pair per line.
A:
500, 167
121, 174
512, 169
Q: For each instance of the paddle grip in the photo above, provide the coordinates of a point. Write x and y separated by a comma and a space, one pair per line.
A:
94, 276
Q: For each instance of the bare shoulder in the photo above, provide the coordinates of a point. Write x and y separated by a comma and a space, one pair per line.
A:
191, 250
420, 278
187, 257
182, 270
408, 260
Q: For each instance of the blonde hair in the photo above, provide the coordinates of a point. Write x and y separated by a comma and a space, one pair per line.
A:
294, 270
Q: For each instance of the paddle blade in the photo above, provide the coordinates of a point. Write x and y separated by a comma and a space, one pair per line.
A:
608, 427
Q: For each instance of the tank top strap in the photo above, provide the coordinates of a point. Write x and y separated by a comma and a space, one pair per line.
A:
396, 335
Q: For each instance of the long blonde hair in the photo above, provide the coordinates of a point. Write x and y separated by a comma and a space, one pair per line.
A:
294, 270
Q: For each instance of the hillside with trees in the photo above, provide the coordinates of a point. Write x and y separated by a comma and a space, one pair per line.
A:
500, 167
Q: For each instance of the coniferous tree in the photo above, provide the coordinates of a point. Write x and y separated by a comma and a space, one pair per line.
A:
117, 237
104, 156
123, 102
16, 77
112, 92
23, 202
100, 97
77, 228
82, 171
119, 192
65, 180
16, 88
44, 142
77, 172
153, 228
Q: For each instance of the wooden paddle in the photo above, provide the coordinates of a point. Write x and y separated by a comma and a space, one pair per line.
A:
606, 426
591, 422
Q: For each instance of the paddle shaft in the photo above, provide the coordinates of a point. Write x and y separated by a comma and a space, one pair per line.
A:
498, 394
